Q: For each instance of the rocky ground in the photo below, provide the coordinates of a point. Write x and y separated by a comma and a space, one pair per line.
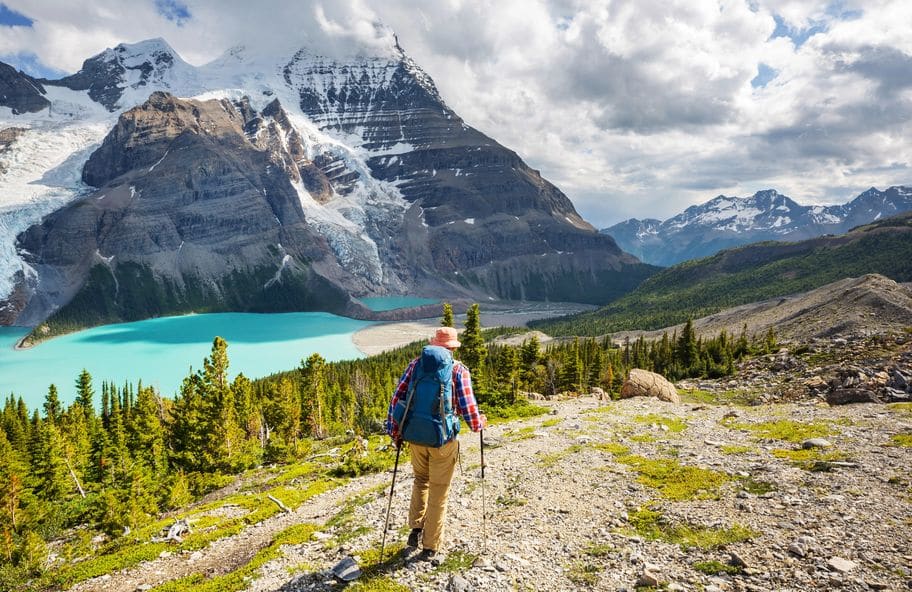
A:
753, 483
563, 508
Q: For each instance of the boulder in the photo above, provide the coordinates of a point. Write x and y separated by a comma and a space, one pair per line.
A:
642, 383
844, 396
600, 394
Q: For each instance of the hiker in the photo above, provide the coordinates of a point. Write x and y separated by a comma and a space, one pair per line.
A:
432, 390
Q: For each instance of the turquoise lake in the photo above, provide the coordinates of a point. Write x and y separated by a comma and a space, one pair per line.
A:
161, 351
379, 303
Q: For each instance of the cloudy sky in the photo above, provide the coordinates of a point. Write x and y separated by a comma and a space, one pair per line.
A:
634, 108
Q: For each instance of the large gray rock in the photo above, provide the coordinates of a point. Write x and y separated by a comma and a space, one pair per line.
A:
845, 396
642, 383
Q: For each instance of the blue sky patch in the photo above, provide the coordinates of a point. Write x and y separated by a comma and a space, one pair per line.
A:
839, 11
31, 65
764, 75
798, 36
174, 11
11, 18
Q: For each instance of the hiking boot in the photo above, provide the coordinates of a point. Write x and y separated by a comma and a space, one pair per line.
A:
431, 555
413, 537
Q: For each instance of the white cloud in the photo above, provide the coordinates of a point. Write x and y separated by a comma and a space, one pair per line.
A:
632, 107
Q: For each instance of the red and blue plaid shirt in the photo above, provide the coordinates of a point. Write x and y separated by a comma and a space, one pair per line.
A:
463, 398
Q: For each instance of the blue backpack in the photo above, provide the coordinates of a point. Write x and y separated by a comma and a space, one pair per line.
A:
425, 415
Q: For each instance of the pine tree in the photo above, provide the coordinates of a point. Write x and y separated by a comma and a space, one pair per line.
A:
313, 394
507, 372
188, 426
119, 451
472, 351
447, 316
85, 393
12, 473
147, 434
49, 464
529, 356
687, 351
572, 370
52, 408
282, 418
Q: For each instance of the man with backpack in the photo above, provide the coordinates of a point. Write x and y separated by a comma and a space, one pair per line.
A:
423, 412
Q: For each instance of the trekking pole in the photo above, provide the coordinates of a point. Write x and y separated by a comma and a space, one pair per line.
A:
389, 504
484, 509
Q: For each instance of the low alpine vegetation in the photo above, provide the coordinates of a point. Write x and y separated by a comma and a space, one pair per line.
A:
652, 525
674, 425
674, 480
785, 429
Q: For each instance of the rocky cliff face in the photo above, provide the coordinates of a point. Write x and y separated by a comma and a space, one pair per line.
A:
190, 214
20, 92
725, 222
350, 174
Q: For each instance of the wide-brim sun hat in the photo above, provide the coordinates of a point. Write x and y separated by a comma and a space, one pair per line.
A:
446, 337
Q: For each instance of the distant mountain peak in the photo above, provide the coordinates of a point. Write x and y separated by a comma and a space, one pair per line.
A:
114, 72
723, 222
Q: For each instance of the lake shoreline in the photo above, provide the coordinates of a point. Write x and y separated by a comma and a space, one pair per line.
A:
381, 337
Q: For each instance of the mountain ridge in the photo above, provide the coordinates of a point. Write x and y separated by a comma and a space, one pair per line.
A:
724, 222
400, 194
749, 273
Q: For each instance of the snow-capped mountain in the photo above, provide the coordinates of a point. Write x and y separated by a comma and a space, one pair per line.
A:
725, 222
270, 180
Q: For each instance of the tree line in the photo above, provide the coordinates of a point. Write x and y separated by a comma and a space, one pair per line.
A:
116, 459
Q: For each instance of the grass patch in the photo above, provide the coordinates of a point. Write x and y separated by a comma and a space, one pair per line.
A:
716, 568
652, 525
345, 523
374, 579
521, 409
599, 550
508, 501
525, 433
295, 496
756, 487
811, 459
293, 472
643, 438
904, 440
549, 460
612, 448
381, 458
600, 410
583, 573
457, 561
735, 449
550, 423
730, 397
901, 407
674, 424
786, 429
674, 480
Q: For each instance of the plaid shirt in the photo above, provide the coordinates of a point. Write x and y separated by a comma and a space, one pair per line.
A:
463, 398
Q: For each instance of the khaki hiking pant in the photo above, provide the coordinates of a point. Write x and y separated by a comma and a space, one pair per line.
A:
433, 469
